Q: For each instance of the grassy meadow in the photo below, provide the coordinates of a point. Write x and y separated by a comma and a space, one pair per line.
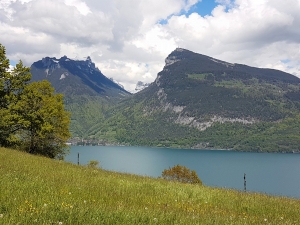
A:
38, 190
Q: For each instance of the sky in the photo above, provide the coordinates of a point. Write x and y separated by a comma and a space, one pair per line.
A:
129, 40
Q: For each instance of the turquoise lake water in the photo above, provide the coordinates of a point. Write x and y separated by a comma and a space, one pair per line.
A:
271, 173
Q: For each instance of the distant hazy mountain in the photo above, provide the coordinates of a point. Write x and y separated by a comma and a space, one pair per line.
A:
201, 102
76, 77
140, 86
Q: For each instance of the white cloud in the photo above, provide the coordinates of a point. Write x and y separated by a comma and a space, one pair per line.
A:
80, 6
127, 41
253, 33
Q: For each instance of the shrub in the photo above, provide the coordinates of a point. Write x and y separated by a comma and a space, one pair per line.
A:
181, 174
93, 164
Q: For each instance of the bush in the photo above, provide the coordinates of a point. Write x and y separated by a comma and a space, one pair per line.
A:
93, 164
181, 174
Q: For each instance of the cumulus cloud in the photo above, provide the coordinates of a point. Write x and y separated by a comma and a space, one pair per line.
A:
129, 40
258, 33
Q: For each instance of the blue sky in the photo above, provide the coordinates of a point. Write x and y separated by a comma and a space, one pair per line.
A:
203, 8
12, 62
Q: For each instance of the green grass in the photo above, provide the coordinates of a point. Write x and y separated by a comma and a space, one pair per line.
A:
37, 190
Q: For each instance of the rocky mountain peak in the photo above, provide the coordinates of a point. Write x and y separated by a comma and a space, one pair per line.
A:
75, 76
88, 59
175, 56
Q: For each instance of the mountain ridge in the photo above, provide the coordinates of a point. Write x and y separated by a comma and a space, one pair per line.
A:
210, 63
75, 77
195, 97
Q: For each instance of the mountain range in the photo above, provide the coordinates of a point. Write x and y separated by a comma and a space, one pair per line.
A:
196, 101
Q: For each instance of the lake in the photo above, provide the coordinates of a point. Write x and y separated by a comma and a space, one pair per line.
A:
271, 173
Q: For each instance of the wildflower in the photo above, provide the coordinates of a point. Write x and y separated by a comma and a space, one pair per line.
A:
146, 208
60, 223
45, 205
1, 215
69, 193
84, 201
265, 219
155, 219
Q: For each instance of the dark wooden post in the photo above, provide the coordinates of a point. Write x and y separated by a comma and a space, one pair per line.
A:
78, 159
245, 189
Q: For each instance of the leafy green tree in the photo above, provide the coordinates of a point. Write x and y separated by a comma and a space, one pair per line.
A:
181, 174
45, 123
12, 84
32, 116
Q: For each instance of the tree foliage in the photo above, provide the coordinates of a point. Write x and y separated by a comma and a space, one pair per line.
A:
181, 174
44, 120
33, 118
12, 84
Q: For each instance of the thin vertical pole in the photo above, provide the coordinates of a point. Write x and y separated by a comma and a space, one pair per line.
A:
78, 159
245, 189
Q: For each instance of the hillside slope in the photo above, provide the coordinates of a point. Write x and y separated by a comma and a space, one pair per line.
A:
38, 190
201, 102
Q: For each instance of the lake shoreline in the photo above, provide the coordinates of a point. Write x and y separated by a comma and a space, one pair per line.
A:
275, 174
195, 147
204, 149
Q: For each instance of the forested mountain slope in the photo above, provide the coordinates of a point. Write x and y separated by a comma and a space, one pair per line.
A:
201, 102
